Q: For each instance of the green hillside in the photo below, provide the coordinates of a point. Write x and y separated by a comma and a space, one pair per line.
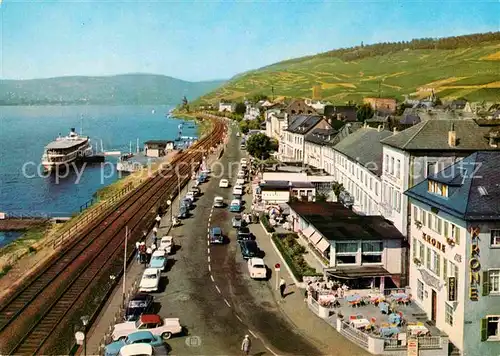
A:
464, 66
127, 89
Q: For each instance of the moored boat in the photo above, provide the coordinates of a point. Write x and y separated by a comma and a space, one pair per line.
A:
64, 150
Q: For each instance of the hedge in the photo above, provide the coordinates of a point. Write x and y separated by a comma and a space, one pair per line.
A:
293, 255
267, 225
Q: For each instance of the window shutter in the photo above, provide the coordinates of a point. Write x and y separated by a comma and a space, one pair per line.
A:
446, 229
428, 260
486, 283
484, 329
414, 247
457, 235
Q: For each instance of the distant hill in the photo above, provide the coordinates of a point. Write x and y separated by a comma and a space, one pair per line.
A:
127, 89
463, 66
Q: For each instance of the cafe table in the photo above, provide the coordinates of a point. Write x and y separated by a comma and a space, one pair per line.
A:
360, 323
417, 330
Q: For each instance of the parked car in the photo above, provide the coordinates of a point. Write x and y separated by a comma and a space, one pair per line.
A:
237, 134
206, 171
195, 191
202, 178
150, 280
240, 181
241, 175
166, 244
190, 195
186, 202
144, 350
150, 322
257, 268
237, 221
158, 260
243, 161
183, 212
243, 233
238, 190
139, 337
141, 303
223, 183
235, 206
218, 202
216, 236
249, 249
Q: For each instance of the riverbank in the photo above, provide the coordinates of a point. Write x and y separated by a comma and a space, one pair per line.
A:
203, 126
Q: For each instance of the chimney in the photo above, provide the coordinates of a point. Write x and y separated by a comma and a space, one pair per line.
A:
452, 136
395, 130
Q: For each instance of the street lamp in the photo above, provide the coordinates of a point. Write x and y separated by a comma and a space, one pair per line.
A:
81, 336
169, 203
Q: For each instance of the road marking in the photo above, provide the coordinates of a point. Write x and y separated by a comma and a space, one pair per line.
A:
212, 278
209, 268
238, 317
227, 303
208, 230
208, 251
271, 351
208, 259
253, 334
218, 290
208, 242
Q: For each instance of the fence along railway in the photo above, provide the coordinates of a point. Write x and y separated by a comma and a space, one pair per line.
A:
37, 318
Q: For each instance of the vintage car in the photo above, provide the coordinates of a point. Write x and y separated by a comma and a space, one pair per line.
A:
243, 233
183, 212
166, 244
195, 191
216, 236
150, 280
235, 206
257, 268
143, 350
238, 190
237, 221
158, 260
139, 304
148, 322
139, 337
240, 181
223, 183
249, 249
218, 202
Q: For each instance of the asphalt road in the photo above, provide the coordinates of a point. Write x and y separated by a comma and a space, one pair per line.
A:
220, 304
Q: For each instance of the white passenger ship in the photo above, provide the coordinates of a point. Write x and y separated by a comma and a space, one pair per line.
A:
65, 150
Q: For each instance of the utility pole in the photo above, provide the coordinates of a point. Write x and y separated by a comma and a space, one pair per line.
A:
179, 190
125, 263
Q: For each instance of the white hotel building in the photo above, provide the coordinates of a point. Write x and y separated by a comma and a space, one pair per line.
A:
455, 252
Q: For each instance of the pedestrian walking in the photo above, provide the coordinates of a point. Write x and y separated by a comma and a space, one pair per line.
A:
142, 252
138, 253
155, 240
246, 344
153, 247
282, 288
155, 230
158, 220
149, 252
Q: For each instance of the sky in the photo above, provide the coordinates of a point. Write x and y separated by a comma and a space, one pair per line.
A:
203, 40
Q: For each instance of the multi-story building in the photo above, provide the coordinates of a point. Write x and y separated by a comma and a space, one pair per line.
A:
293, 142
411, 155
382, 105
276, 122
358, 165
455, 251
316, 148
226, 107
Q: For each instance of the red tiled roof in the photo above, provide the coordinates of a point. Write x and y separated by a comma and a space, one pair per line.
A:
150, 319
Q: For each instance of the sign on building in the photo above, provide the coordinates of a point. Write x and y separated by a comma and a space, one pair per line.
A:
412, 347
452, 289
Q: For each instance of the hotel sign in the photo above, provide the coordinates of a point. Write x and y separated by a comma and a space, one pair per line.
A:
452, 289
432, 241
474, 264
412, 347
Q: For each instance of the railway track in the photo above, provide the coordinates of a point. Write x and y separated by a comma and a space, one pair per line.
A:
30, 316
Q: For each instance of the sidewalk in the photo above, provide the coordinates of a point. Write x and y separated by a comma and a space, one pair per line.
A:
111, 312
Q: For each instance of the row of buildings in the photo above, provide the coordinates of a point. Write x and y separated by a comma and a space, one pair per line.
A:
437, 181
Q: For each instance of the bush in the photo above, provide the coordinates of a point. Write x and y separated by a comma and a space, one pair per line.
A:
267, 225
5, 269
31, 249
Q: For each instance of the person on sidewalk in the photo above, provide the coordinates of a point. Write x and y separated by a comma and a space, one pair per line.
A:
138, 256
155, 231
149, 252
282, 288
246, 344
158, 220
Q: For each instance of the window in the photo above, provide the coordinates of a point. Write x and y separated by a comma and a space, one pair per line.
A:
435, 264
428, 259
346, 252
420, 289
371, 252
494, 281
490, 328
414, 247
445, 232
431, 168
392, 165
398, 167
386, 163
421, 251
376, 189
455, 234
445, 269
424, 220
436, 223
415, 213
495, 237
437, 188
448, 314
430, 221
371, 183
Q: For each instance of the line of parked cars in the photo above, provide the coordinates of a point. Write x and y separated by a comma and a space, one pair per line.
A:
144, 333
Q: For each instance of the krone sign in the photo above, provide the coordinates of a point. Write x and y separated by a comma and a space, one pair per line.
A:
474, 264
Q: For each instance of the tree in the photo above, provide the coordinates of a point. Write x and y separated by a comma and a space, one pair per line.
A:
185, 104
259, 146
258, 97
337, 189
401, 109
364, 112
321, 197
244, 126
240, 109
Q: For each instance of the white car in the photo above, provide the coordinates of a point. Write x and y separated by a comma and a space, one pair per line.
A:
148, 322
190, 196
166, 244
206, 171
238, 190
218, 202
141, 349
241, 175
243, 161
150, 280
257, 268
224, 183
240, 181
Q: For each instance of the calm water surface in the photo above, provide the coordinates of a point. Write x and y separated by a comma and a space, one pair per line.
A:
24, 131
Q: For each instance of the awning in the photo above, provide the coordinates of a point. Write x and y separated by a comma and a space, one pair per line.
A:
323, 245
360, 272
308, 231
315, 238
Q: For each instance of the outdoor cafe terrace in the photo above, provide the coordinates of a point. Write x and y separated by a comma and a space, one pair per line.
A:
380, 323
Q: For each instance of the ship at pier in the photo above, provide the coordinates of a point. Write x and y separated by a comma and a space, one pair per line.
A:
66, 149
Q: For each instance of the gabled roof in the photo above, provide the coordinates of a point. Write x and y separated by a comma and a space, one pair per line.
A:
473, 188
320, 136
347, 112
303, 123
433, 135
150, 319
364, 147
410, 119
